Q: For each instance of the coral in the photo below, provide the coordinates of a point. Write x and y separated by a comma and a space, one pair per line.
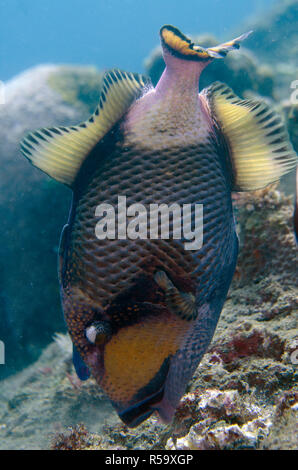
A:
284, 431
290, 111
64, 343
288, 108
245, 341
75, 438
287, 400
284, 434
222, 437
149, 435
78, 86
267, 244
224, 421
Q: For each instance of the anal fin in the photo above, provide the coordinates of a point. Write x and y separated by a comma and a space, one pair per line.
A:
256, 137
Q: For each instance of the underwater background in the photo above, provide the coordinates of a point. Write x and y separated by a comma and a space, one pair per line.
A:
112, 33
52, 57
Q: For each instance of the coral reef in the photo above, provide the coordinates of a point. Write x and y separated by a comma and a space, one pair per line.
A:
224, 421
78, 86
266, 248
75, 438
290, 111
284, 432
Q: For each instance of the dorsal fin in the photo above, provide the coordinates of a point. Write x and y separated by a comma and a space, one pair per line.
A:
257, 139
60, 151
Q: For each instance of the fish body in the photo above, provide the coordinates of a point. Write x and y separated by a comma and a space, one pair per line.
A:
142, 310
187, 168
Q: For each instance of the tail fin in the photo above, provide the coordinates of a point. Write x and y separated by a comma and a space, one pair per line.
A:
220, 51
181, 46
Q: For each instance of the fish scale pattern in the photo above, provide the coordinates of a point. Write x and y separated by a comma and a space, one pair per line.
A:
102, 269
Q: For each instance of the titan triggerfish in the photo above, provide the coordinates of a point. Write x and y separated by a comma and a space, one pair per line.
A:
142, 301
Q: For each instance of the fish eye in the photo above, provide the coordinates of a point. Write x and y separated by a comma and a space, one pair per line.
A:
98, 333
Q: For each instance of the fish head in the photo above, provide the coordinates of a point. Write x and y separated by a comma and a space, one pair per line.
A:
130, 358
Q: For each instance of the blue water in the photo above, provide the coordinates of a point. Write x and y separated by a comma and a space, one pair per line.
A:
107, 33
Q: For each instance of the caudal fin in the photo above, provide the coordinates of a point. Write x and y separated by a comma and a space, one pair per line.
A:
182, 46
220, 51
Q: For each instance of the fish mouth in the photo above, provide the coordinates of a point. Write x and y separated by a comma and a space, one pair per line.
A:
139, 412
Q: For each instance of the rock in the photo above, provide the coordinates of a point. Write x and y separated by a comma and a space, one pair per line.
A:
246, 341
216, 410
33, 208
266, 235
38, 403
284, 431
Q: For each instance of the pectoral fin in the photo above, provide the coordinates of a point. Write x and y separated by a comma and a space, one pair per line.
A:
80, 367
256, 137
60, 151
